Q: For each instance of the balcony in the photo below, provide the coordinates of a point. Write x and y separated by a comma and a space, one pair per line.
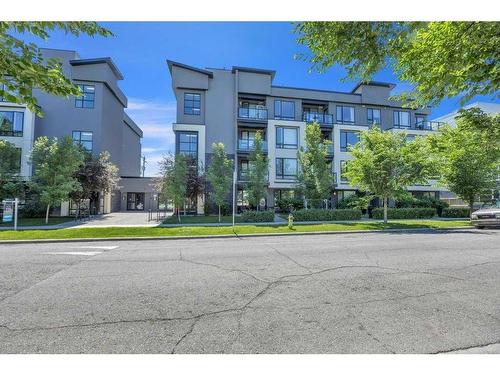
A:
429, 125
324, 119
248, 145
329, 150
254, 114
244, 176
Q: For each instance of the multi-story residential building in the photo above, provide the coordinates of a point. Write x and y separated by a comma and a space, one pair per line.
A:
231, 105
17, 126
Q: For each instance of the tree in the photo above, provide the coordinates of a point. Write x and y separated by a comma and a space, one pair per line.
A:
257, 173
219, 174
10, 157
96, 174
195, 185
22, 65
384, 164
55, 163
469, 155
315, 175
440, 59
172, 185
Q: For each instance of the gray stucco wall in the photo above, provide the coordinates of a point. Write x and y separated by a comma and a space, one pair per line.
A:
131, 153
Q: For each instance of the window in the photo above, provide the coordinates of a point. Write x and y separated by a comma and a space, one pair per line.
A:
287, 137
373, 116
343, 170
420, 120
284, 110
242, 198
348, 138
286, 169
345, 114
11, 123
247, 139
401, 119
192, 104
244, 169
188, 144
84, 139
88, 97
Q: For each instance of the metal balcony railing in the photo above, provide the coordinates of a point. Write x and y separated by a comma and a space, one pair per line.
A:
321, 118
429, 125
252, 113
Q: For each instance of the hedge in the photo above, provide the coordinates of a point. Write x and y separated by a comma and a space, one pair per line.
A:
404, 213
319, 214
455, 212
257, 216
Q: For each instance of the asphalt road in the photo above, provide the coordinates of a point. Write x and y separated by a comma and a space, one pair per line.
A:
426, 292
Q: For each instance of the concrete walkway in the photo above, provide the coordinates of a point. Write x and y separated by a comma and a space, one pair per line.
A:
119, 219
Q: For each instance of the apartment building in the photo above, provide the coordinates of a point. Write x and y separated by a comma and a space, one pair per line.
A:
231, 105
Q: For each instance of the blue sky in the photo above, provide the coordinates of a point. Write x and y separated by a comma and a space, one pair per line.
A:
140, 50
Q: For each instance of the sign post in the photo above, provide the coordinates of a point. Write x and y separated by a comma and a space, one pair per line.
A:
16, 206
10, 208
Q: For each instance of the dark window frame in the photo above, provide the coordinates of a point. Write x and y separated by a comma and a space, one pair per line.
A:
396, 118
344, 139
280, 172
341, 119
280, 140
192, 106
278, 114
370, 119
190, 152
343, 169
87, 99
17, 118
83, 142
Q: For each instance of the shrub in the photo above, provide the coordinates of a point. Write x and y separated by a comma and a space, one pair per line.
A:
425, 202
455, 212
289, 204
319, 214
251, 216
32, 209
405, 213
355, 201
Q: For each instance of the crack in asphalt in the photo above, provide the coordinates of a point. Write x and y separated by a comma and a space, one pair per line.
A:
289, 258
465, 348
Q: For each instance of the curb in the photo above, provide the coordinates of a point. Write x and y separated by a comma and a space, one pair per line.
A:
217, 236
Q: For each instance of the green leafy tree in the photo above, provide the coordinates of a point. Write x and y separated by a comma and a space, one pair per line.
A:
469, 155
258, 172
384, 164
10, 157
195, 185
440, 59
55, 163
315, 175
219, 174
23, 68
96, 175
173, 181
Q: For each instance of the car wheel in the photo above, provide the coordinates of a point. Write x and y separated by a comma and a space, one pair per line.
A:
479, 227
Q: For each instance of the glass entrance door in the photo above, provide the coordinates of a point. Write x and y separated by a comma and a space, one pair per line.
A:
135, 201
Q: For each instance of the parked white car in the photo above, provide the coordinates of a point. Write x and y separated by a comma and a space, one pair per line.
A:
487, 216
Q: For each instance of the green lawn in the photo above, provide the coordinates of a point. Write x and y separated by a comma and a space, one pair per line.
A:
201, 230
200, 219
26, 222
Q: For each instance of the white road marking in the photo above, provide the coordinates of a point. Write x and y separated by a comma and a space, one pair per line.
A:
88, 253
98, 247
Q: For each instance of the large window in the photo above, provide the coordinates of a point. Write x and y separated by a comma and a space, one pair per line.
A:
85, 139
343, 169
374, 116
286, 168
88, 97
11, 123
287, 137
284, 110
401, 119
192, 104
345, 114
188, 144
244, 170
348, 138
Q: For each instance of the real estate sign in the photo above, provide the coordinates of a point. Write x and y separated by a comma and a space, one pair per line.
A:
8, 211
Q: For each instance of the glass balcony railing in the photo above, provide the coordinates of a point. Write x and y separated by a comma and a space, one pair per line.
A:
321, 118
329, 149
429, 125
252, 113
249, 145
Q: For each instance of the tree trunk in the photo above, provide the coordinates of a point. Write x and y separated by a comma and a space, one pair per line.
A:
178, 215
47, 214
385, 209
219, 213
471, 208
